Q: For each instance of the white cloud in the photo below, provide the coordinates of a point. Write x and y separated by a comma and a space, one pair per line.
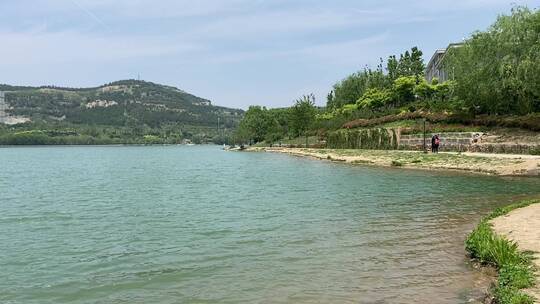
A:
135, 8
34, 47
429, 6
286, 22
228, 41
339, 52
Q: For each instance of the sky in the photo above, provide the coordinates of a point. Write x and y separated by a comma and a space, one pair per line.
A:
234, 52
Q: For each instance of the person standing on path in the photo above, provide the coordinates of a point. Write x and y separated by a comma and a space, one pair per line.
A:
433, 143
437, 143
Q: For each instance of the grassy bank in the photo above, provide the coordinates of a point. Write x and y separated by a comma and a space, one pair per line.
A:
470, 162
300, 142
515, 268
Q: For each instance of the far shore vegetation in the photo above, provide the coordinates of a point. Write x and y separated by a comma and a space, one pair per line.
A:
121, 112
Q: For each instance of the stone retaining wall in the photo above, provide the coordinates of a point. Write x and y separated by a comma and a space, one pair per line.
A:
450, 141
465, 142
390, 139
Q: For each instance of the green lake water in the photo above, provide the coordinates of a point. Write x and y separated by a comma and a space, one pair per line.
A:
199, 225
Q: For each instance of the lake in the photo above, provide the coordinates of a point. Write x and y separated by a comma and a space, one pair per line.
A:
180, 224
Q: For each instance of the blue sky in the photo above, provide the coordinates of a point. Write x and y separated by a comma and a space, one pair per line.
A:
234, 52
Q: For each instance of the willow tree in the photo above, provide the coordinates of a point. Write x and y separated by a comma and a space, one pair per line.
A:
498, 70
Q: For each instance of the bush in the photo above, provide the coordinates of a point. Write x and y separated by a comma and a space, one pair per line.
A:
362, 123
527, 122
404, 89
424, 90
375, 98
348, 109
381, 139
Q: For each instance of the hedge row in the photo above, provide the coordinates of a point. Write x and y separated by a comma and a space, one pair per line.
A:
527, 122
377, 139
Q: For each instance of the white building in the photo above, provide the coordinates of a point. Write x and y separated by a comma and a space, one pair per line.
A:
435, 68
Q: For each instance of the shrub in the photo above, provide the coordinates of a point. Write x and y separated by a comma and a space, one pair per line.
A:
404, 89
382, 139
443, 91
526, 122
424, 90
362, 123
375, 98
348, 109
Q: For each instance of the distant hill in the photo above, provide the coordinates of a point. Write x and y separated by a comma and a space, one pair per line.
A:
136, 108
116, 104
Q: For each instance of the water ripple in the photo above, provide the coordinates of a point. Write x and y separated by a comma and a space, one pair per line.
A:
197, 225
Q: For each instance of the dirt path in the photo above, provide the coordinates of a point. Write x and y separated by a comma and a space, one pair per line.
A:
530, 163
523, 226
496, 164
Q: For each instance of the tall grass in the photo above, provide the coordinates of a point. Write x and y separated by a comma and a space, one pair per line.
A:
515, 268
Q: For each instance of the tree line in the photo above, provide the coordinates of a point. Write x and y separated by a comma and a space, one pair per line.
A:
271, 125
494, 72
497, 71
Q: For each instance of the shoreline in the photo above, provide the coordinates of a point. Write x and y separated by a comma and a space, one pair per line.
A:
508, 239
105, 145
491, 243
522, 226
482, 163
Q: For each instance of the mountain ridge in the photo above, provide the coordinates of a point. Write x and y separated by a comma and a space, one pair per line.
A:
44, 103
136, 107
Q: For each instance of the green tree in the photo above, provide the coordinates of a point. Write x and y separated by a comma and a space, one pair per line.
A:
280, 126
497, 71
444, 91
375, 98
256, 123
424, 90
355, 85
350, 89
303, 115
392, 65
417, 66
409, 64
404, 89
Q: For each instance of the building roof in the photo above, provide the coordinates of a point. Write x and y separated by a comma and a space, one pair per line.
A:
439, 52
435, 55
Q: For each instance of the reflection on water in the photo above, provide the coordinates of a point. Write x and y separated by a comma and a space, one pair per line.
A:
199, 225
